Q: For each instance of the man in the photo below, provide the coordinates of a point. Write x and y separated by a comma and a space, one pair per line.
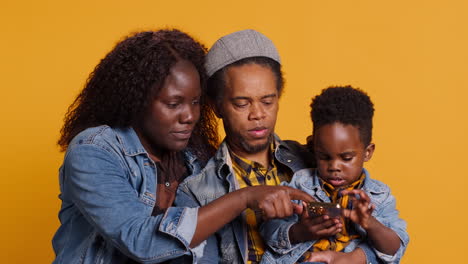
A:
244, 86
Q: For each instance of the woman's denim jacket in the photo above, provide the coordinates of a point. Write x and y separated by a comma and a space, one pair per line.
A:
108, 190
275, 232
229, 244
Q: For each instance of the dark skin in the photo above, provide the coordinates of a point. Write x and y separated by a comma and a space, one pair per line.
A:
273, 201
340, 155
248, 109
167, 126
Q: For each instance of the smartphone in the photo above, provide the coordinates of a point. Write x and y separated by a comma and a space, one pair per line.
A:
317, 209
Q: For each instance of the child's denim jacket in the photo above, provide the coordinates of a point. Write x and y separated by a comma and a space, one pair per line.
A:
276, 232
108, 190
229, 245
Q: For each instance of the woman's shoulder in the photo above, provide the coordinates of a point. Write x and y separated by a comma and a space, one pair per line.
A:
94, 136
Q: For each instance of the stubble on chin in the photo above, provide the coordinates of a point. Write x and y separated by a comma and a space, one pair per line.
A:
252, 149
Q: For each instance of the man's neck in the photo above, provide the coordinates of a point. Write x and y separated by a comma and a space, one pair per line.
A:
261, 157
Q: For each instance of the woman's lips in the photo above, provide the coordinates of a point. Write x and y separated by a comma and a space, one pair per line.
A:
182, 135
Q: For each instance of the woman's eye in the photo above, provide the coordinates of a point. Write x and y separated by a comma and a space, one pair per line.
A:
172, 105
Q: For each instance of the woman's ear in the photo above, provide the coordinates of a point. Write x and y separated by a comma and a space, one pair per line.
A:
369, 151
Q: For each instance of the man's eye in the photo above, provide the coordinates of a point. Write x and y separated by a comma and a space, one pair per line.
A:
241, 104
267, 102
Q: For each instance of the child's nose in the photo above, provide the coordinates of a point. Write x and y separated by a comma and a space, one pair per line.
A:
333, 165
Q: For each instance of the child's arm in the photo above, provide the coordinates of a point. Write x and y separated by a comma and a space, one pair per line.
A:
383, 238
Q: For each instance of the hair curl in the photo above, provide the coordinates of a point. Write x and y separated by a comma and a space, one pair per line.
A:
217, 82
124, 83
346, 105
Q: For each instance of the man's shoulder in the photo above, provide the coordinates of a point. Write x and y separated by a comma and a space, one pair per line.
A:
209, 184
293, 151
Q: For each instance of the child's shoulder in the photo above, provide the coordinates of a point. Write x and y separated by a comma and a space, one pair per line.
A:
375, 185
304, 179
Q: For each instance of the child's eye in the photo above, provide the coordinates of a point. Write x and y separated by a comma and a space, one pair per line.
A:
347, 158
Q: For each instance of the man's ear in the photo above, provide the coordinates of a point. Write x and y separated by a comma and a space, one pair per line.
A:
369, 151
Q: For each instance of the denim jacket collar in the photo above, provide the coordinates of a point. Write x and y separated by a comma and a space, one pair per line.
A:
224, 162
315, 186
130, 142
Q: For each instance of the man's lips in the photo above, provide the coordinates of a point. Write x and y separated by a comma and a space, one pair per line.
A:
258, 132
182, 134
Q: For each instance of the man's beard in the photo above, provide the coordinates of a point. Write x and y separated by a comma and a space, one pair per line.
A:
252, 149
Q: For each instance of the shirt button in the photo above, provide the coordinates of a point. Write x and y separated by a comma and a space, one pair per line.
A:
167, 184
288, 160
269, 177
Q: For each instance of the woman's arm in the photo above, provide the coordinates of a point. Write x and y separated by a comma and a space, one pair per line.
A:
96, 182
272, 201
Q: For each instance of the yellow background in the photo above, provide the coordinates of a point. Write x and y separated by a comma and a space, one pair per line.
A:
410, 56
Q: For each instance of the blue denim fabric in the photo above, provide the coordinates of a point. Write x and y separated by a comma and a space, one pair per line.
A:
229, 244
108, 190
276, 232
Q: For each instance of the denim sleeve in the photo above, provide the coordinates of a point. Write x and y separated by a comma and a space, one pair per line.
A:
96, 181
387, 214
371, 256
207, 251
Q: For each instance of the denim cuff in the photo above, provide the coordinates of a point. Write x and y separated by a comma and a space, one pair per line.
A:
371, 256
180, 223
281, 244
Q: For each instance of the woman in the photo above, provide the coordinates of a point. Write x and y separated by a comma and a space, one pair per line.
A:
131, 137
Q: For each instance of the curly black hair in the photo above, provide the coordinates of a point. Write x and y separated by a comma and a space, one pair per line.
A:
216, 82
346, 105
124, 83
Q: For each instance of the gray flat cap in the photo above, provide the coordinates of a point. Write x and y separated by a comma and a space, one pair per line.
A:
239, 45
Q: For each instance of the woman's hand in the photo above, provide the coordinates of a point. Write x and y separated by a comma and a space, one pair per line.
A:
275, 201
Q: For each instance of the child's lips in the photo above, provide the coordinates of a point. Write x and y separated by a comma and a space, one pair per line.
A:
336, 181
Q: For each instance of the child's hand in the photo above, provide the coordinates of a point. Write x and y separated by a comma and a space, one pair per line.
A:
312, 228
361, 213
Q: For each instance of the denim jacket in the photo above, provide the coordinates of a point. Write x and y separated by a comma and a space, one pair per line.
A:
108, 190
218, 179
276, 232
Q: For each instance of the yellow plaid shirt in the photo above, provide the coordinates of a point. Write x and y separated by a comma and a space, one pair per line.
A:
250, 173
